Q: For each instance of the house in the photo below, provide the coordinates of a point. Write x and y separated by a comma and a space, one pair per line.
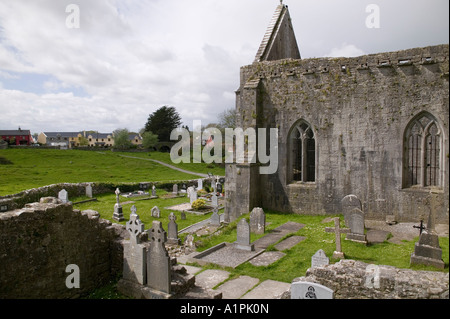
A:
76, 139
17, 137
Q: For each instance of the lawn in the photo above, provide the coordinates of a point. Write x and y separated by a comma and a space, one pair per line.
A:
22, 169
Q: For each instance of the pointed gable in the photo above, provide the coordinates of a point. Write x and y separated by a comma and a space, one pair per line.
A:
279, 42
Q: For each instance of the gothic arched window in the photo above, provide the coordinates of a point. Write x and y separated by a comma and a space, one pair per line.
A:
422, 152
302, 165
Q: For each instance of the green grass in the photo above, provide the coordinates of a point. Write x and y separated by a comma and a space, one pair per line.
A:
22, 169
105, 207
298, 258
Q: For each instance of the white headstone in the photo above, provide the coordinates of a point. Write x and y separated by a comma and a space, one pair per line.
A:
319, 259
200, 184
156, 212
89, 191
62, 196
310, 290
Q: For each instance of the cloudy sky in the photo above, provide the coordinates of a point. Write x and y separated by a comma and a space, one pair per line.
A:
127, 58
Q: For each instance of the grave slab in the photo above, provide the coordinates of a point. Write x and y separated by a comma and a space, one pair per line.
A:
267, 258
269, 289
211, 278
289, 242
235, 288
225, 254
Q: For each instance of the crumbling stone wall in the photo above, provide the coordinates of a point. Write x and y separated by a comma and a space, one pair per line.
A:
38, 242
350, 279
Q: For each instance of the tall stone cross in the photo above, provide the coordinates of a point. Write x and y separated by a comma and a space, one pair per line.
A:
338, 254
135, 226
117, 195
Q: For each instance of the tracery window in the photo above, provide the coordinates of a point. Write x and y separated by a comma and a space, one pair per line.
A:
302, 165
423, 144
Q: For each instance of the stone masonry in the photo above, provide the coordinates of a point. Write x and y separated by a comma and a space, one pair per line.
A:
359, 110
38, 242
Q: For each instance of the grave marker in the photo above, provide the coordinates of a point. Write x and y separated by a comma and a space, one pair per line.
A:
214, 220
348, 203
63, 196
89, 190
214, 200
200, 184
243, 236
310, 290
175, 189
118, 214
158, 260
134, 261
356, 225
192, 194
338, 254
257, 221
319, 259
156, 213
172, 230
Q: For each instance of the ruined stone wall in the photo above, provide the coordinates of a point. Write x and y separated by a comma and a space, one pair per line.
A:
350, 279
358, 109
38, 242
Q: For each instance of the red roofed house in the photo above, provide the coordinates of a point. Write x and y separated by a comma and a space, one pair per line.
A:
16, 137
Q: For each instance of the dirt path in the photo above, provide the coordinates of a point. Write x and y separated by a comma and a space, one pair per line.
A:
167, 165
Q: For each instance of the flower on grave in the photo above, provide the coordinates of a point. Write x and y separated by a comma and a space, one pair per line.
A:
199, 203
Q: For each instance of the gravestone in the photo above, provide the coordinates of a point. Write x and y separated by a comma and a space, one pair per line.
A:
349, 203
356, 225
200, 184
172, 230
175, 189
192, 194
257, 221
310, 290
63, 196
319, 259
158, 260
214, 200
219, 188
183, 215
89, 191
338, 254
243, 236
154, 192
214, 220
134, 253
118, 214
427, 250
156, 213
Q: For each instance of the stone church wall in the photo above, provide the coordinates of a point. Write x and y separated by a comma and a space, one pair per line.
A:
358, 109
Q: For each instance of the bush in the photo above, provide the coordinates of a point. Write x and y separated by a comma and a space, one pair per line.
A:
199, 203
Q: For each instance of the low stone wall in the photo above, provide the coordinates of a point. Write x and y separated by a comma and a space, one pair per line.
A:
38, 242
17, 201
350, 279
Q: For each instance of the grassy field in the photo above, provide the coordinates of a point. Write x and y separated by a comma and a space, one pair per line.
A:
22, 169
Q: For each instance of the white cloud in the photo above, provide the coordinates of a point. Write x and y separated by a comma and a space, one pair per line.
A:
130, 57
345, 50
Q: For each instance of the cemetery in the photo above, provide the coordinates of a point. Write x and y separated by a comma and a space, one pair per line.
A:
337, 220
263, 254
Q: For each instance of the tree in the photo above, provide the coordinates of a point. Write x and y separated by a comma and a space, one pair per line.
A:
149, 140
162, 122
121, 139
227, 119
